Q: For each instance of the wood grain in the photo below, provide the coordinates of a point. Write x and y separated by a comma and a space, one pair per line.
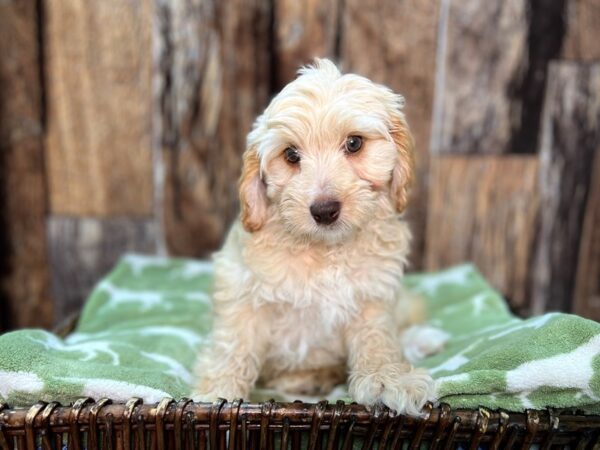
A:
213, 74
304, 29
587, 283
581, 42
483, 56
545, 34
24, 283
83, 250
394, 43
99, 106
570, 137
484, 209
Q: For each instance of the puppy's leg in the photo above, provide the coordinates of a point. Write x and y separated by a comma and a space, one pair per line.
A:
230, 366
378, 371
409, 309
320, 381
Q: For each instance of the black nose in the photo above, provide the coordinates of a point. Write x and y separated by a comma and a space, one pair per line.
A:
325, 212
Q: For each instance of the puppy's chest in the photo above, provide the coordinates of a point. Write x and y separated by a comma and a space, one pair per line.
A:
332, 284
304, 336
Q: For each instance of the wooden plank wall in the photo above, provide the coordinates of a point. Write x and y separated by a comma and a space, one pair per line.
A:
498, 233
570, 140
24, 279
98, 149
491, 78
587, 283
583, 22
212, 72
498, 96
483, 53
98, 144
82, 249
581, 44
129, 136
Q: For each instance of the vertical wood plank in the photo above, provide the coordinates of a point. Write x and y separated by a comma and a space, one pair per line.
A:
545, 34
304, 29
484, 209
570, 137
587, 283
24, 292
212, 78
99, 99
484, 51
581, 43
491, 73
394, 43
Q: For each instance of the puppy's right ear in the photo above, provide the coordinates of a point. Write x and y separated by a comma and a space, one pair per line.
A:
253, 195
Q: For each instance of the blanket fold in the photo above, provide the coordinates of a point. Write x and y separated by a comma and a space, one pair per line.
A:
143, 324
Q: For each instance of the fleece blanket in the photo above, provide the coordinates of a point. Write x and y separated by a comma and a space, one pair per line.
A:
143, 324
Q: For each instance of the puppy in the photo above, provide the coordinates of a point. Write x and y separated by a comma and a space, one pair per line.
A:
307, 286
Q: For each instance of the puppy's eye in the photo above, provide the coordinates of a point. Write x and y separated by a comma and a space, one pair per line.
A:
291, 155
353, 144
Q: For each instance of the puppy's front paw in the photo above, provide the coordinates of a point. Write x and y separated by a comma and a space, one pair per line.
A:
405, 392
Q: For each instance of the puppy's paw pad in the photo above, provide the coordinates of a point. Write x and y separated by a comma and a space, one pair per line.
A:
421, 341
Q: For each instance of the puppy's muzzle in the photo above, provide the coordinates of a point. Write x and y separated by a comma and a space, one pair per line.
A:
326, 212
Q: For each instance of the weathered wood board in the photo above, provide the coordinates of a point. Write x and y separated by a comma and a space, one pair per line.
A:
482, 52
581, 43
82, 250
24, 283
212, 75
587, 283
304, 29
583, 30
484, 209
98, 71
570, 137
129, 128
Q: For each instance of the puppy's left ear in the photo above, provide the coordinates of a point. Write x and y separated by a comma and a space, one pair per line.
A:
253, 195
402, 175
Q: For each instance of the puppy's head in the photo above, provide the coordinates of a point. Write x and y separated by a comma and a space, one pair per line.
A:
328, 152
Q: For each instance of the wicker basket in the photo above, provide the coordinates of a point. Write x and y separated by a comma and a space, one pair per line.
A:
277, 426
185, 425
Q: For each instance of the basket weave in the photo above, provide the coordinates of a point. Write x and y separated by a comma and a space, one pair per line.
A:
186, 425
278, 426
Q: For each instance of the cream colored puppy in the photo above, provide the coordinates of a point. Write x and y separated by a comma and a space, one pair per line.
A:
307, 285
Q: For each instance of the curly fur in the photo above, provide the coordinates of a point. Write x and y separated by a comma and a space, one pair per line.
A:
294, 300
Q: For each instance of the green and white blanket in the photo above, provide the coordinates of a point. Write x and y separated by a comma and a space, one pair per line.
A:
143, 324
